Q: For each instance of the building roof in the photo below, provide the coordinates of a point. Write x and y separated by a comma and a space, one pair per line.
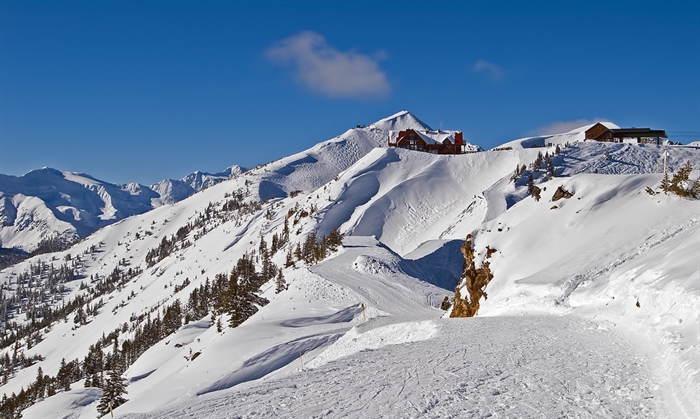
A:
429, 136
638, 132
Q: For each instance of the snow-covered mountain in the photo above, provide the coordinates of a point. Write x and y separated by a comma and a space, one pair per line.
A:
172, 190
592, 310
47, 203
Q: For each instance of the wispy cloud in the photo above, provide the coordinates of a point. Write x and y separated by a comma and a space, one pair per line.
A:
495, 71
559, 127
322, 68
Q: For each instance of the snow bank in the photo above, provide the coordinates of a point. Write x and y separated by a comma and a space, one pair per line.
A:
353, 341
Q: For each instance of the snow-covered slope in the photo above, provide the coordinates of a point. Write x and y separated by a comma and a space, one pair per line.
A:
360, 334
172, 190
399, 121
575, 135
48, 203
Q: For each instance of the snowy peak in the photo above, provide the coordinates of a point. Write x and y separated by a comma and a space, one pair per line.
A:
46, 202
202, 180
172, 190
400, 121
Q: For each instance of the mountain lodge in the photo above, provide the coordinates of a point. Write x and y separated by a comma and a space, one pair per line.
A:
600, 132
431, 141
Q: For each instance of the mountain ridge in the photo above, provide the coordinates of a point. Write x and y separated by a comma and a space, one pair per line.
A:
405, 215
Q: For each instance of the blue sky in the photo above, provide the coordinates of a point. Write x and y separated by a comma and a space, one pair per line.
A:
142, 91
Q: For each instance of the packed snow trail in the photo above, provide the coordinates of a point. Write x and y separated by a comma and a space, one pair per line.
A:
526, 366
373, 272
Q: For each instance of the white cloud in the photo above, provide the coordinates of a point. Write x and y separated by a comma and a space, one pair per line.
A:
324, 69
495, 71
560, 127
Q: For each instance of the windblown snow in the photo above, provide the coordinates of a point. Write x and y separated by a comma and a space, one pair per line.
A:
593, 310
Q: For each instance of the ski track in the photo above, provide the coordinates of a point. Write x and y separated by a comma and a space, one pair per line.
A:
571, 285
527, 366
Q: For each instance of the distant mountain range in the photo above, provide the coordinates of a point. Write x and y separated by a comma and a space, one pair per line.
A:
48, 203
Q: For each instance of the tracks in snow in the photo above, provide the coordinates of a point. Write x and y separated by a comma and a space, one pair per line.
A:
592, 274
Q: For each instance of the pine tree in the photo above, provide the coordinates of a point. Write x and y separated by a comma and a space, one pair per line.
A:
297, 252
335, 239
538, 162
289, 261
285, 232
280, 283
680, 183
112, 394
275, 244
172, 318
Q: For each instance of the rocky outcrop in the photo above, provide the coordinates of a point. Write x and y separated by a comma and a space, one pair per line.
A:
561, 193
474, 280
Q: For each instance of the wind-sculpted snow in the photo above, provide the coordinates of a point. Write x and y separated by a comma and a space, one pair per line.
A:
71, 403
612, 270
356, 340
343, 316
311, 169
623, 159
527, 367
270, 360
405, 198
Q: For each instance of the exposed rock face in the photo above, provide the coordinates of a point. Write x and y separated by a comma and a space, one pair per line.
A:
561, 193
474, 280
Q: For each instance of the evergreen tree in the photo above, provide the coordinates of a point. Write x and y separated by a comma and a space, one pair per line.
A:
275, 244
289, 261
680, 183
335, 239
172, 318
538, 162
285, 233
113, 392
297, 252
280, 283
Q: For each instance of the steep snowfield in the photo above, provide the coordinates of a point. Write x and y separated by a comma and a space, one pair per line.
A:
361, 335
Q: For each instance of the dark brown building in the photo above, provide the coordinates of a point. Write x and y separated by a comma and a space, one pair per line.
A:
438, 142
600, 132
